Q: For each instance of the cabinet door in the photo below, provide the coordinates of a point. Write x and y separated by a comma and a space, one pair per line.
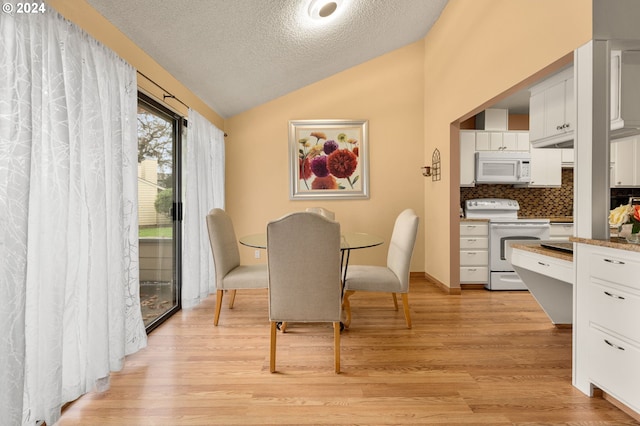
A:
495, 141
554, 106
522, 141
546, 167
510, 141
623, 157
536, 116
569, 106
482, 141
467, 158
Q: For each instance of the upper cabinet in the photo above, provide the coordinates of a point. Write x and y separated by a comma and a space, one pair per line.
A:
625, 105
625, 156
552, 103
552, 112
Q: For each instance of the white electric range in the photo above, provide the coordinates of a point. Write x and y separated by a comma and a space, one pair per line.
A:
504, 225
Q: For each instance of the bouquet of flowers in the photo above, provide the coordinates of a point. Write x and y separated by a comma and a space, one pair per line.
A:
623, 214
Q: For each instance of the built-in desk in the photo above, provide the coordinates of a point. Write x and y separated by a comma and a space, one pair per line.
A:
548, 274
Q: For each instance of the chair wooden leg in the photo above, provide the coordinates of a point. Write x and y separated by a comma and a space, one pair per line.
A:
272, 351
336, 344
283, 326
347, 307
395, 301
405, 303
232, 298
216, 315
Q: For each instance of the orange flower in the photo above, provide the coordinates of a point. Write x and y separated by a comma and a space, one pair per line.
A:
319, 135
636, 212
327, 182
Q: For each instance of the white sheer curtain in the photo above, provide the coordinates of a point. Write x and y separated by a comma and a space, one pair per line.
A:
203, 191
69, 301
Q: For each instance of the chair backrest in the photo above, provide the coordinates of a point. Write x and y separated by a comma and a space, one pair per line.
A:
322, 211
304, 268
401, 246
224, 244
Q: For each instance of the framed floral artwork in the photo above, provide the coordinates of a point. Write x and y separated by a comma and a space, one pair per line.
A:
328, 159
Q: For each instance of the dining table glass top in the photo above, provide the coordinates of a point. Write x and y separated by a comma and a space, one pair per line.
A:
348, 240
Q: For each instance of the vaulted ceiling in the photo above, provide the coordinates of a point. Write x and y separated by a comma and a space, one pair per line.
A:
238, 54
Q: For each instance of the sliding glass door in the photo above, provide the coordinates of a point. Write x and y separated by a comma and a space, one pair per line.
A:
159, 210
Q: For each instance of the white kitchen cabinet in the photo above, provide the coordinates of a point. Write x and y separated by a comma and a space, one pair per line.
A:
625, 108
625, 156
560, 230
515, 141
546, 167
467, 158
606, 336
552, 110
474, 252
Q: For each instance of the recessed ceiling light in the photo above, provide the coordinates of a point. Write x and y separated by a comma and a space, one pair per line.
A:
322, 8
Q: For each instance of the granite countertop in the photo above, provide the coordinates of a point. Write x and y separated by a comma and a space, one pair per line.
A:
537, 248
613, 242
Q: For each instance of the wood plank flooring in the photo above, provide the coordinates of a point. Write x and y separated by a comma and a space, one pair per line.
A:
479, 358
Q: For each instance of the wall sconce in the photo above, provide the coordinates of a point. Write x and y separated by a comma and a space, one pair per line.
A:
434, 170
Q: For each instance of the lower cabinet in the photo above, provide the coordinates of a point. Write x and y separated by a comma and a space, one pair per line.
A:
474, 252
607, 336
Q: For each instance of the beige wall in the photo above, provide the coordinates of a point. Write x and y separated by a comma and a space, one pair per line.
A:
477, 50
386, 91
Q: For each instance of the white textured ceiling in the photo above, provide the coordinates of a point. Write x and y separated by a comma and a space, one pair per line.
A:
237, 54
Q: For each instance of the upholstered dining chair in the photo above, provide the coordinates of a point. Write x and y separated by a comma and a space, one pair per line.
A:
230, 274
322, 211
304, 274
392, 278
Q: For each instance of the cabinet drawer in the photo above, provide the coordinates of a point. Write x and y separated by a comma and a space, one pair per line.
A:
615, 309
474, 258
474, 243
614, 266
613, 367
481, 229
474, 274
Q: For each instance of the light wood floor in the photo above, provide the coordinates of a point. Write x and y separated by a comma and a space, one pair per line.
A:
481, 358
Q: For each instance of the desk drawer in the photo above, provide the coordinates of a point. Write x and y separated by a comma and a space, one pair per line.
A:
546, 265
474, 258
474, 274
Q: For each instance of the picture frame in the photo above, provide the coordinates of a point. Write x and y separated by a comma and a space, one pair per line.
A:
329, 159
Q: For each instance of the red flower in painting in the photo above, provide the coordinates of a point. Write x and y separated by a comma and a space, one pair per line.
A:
342, 163
327, 182
305, 169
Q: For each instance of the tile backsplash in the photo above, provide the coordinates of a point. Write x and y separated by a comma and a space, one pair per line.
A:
534, 202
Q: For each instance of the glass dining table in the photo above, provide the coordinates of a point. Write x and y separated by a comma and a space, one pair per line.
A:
348, 241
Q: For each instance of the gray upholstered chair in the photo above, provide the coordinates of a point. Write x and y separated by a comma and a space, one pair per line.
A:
393, 278
304, 274
322, 211
230, 274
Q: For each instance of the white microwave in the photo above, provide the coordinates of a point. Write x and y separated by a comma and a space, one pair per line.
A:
503, 167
